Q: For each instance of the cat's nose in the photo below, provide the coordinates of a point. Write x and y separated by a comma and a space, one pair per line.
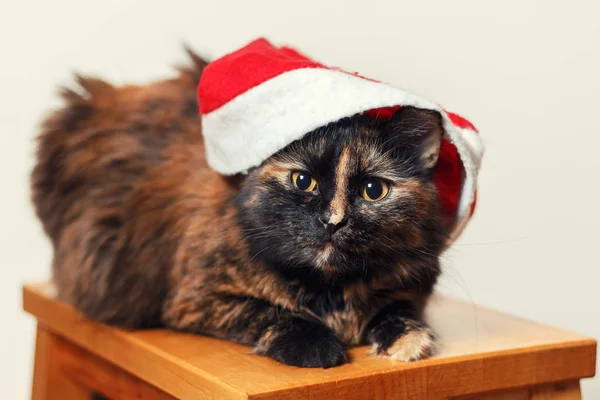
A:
330, 227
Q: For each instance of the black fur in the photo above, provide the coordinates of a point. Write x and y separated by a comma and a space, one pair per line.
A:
390, 323
305, 343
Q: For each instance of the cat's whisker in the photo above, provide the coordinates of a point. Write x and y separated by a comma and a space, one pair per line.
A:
220, 233
258, 253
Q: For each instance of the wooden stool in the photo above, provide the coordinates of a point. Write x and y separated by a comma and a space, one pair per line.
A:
485, 355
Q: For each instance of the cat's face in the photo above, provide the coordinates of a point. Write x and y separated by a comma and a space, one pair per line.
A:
348, 198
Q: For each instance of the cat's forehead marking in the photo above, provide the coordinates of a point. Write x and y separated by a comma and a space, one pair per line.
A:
270, 169
277, 169
338, 202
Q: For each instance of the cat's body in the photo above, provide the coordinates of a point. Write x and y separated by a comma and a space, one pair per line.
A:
146, 234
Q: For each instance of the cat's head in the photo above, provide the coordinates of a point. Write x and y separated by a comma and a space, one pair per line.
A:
348, 198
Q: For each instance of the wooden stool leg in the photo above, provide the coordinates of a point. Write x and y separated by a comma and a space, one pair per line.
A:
557, 391
49, 380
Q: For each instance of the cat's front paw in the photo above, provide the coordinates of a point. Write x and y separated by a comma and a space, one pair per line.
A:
413, 342
302, 343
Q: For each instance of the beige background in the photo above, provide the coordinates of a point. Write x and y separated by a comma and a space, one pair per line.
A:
525, 72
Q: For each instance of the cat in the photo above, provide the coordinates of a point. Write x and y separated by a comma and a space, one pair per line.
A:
332, 242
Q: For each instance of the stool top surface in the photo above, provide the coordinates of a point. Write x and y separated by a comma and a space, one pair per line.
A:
481, 350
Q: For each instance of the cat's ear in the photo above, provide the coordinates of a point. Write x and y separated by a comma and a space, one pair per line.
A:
417, 133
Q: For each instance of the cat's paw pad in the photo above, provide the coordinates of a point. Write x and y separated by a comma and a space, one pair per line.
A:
304, 344
411, 346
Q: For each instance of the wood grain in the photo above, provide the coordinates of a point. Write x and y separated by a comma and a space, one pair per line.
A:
513, 394
93, 372
557, 391
50, 382
483, 351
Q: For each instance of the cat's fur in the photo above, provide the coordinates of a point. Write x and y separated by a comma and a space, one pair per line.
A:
145, 234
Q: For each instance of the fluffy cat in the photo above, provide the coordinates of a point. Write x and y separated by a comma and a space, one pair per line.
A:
332, 242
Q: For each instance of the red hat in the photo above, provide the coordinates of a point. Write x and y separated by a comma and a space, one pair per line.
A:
260, 98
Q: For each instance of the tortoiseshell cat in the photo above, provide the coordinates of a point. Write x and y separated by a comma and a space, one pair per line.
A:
332, 242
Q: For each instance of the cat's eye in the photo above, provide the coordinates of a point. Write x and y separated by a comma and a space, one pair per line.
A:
374, 189
303, 181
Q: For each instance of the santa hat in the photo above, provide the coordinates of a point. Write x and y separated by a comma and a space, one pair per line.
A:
260, 98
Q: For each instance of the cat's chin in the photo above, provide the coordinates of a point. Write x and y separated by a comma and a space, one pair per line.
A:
330, 260
324, 256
